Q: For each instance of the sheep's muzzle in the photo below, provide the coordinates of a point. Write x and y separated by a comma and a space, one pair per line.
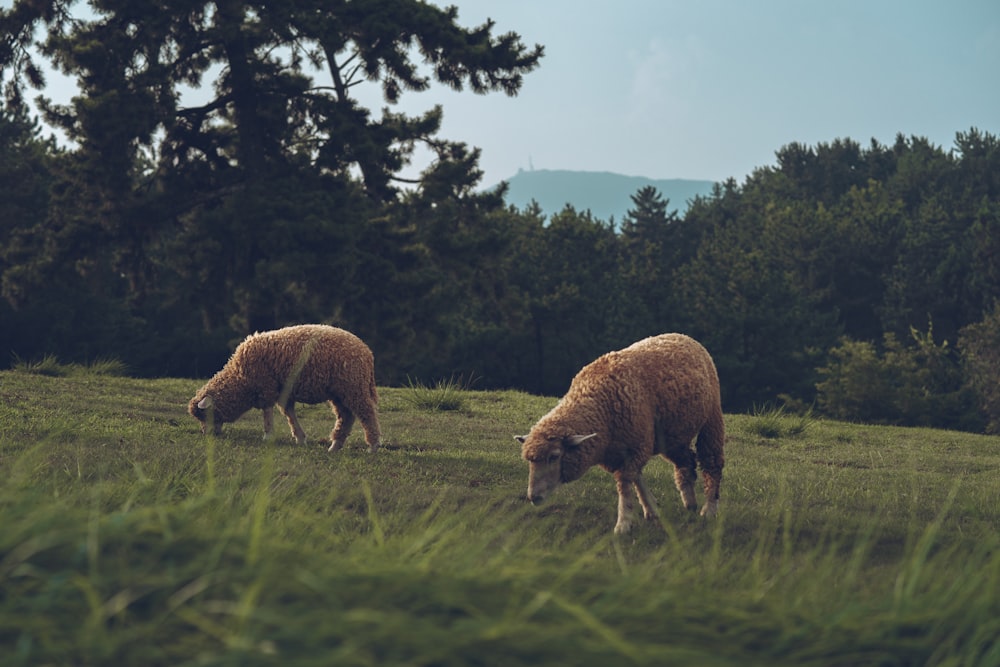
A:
543, 478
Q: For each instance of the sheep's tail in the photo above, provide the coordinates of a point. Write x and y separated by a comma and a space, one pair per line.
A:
372, 388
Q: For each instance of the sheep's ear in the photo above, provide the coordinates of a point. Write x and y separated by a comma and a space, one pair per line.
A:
205, 403
521, 438
575, 440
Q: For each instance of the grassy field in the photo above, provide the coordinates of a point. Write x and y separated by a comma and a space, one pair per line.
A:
127, 538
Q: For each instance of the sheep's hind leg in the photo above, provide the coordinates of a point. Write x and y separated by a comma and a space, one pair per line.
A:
342, 429
368, 417
293, 423
713, 479
684, 479
711, 458
685, 474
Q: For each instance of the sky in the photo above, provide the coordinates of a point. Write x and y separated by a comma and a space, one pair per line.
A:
711, 89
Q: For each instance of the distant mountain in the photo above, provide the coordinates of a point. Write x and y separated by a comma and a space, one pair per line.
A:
605, 194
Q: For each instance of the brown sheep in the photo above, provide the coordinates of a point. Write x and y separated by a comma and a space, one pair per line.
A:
653, 397
310, 363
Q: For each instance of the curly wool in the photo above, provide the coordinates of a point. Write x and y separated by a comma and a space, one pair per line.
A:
653, 397
324, 363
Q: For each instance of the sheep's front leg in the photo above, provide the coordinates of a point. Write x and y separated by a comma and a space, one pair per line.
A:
293, 423
624, 523
645, 499
268, 421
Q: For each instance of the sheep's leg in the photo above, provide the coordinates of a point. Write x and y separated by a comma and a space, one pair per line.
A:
710, 445
684, 479
713, 479
645, 499
369, 421
624, 523
268, 421
293, 423
342, 429
346, 417
685, 473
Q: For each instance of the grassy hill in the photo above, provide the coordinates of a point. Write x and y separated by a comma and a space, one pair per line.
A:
129, 538
605, 194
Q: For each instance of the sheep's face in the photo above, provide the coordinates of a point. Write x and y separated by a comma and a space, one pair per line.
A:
205, 411
552, 460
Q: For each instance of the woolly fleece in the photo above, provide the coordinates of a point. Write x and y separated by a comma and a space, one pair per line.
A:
324, 363
653, 397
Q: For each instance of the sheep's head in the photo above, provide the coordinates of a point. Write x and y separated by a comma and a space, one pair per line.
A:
203, 408
552, 460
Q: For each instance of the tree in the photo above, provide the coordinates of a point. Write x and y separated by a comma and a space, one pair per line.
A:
919, 384
442, 303
214, 139
651, 248
980, 347
867, 227
285, 85
979, 182
567, 271
25, 171
931, 273
648, 218
823, 174
753, 316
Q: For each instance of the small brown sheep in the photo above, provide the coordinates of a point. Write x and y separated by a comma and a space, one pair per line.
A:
653, 397
309, 363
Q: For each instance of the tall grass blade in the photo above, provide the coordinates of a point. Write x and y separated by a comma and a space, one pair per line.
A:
910, 577
373, 517
261, 503
592, 623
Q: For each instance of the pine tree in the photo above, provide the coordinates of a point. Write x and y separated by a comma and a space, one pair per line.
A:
214, 139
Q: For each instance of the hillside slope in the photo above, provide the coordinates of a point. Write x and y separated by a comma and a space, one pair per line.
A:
605, 194
131, 539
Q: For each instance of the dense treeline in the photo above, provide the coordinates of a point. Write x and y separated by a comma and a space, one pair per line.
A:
862, 280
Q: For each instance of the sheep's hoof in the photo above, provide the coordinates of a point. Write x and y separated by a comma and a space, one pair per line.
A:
335, 445
710, 509
374, 448
622, 528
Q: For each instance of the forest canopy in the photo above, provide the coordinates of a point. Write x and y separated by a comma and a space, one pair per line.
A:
858, 280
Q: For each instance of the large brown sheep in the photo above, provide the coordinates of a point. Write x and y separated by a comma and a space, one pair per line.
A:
653, 397
309, 363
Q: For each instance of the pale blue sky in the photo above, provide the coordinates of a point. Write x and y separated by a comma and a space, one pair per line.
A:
711, 89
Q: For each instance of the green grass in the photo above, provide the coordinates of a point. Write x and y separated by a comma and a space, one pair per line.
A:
444, 395
771, 421
128, 538
51, 366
